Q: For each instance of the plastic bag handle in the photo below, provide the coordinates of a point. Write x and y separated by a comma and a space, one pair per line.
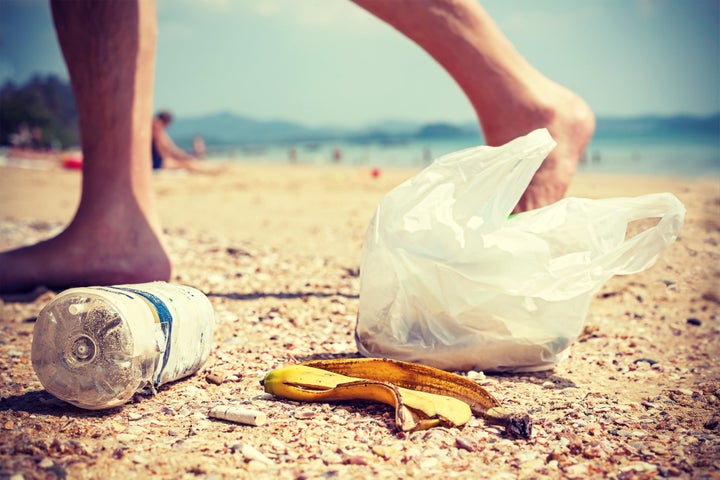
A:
642, 250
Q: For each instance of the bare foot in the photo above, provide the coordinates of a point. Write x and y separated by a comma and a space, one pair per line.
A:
571, 124
85, 254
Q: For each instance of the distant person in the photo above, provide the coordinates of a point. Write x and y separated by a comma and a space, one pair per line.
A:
427, 155
29, 144
165, 154
22, 138
337, 155
116, 237
198, 148
37, 142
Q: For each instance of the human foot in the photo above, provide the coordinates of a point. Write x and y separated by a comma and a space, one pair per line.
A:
84, 255
570, 122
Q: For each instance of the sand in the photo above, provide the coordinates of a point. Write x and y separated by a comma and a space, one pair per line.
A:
276, 248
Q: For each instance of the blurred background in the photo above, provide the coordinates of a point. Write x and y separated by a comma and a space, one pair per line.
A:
324, 81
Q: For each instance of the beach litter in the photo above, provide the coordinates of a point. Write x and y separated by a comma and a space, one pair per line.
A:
449, 280
423, 397
242, 415
96, 347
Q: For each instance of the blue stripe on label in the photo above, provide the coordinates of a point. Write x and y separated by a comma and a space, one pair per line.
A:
112, 289
165, 323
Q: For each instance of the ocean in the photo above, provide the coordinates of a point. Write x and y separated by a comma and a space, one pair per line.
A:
685, 154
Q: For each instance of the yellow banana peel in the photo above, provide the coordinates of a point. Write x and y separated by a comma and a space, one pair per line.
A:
423, 396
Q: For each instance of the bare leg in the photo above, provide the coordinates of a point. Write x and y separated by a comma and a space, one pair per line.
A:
115, 237
511, 98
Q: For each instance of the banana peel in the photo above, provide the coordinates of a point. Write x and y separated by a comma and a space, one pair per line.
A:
423, 396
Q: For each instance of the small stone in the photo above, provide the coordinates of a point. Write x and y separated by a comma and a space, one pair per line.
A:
466, 443
304, 415
384, 451
711, 424
639, 467
215, 378
46, 463
354, 460
125, 437
650, 361
256, 466
579, 470
475, 376
251, 453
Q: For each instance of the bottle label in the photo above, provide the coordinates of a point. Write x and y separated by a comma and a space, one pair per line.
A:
165, 318
186, 320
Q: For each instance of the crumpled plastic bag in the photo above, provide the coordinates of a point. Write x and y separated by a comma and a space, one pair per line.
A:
448, 279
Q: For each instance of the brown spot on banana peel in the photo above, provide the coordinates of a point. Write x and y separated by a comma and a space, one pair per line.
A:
419, 377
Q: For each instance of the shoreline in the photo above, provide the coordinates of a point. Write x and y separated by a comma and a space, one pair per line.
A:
305, 209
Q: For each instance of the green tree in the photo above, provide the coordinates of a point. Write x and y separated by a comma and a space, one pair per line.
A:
45, 102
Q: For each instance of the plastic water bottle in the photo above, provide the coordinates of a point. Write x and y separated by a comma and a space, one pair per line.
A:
95, 347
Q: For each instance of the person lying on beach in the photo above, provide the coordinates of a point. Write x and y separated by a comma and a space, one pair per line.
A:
109, 47
165, 154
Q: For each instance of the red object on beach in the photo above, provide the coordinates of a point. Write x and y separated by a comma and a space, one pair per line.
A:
375, 172
73, 163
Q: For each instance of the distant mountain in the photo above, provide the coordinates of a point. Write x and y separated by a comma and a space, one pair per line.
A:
394, 127
441, 130
225, 129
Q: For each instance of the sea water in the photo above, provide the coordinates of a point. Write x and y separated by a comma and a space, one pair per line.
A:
683, 155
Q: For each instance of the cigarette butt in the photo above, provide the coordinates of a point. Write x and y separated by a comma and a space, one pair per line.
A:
239, 415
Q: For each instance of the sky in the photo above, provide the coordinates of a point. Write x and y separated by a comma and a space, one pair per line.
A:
329, 62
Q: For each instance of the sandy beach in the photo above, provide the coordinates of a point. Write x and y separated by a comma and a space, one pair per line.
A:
277, 248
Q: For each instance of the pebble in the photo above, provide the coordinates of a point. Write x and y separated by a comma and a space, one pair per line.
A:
579, 470
711, 424
251, 453
466, 443
215, 378
638, 467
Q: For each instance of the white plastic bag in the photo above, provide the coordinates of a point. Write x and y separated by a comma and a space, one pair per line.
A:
448, 280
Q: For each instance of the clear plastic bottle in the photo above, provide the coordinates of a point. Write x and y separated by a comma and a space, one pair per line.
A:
95, 347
